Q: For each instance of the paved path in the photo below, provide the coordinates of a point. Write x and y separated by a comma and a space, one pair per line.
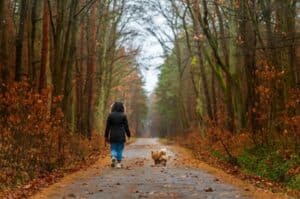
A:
140, 179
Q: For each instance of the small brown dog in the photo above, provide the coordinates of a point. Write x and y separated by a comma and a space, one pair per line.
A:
160, 157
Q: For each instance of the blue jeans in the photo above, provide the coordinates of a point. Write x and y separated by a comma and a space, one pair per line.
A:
116, 150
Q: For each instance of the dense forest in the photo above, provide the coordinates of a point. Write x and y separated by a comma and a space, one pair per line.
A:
231, 79
62, 64
229, 84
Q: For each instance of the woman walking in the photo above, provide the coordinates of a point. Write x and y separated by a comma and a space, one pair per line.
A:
116, 128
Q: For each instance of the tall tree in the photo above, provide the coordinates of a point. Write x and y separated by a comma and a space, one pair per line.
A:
45, 46
20, 40
91, 73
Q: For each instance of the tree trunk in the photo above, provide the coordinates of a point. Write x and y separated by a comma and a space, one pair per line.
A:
80, 84
58, 33
248, 35
45, 46
32, 63
4, 57
19, 40
91, 76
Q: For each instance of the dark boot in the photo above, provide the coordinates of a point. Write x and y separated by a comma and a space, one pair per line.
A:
113, 162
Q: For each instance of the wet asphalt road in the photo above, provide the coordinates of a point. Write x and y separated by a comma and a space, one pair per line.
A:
140, 179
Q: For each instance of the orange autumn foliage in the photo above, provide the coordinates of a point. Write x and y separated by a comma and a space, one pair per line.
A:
277, 109
33, 138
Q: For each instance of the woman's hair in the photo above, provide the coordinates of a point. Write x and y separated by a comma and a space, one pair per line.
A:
118, 107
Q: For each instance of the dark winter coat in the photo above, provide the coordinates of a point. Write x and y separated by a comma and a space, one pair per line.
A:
117, 125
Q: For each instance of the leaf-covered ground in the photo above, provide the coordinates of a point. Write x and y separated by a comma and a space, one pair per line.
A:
184, 177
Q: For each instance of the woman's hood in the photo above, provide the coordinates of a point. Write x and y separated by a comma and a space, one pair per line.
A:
118, 107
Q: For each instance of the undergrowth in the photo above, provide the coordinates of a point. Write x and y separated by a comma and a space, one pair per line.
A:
273, 165
33, 139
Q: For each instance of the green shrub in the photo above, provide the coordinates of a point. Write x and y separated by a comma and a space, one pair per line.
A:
270, 164
218, 154
294, 183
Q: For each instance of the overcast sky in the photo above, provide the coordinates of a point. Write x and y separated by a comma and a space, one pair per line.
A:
151, 52
151, 57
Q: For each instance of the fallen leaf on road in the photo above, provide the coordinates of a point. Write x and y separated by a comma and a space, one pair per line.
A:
209, 189
71, 195
27, 186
